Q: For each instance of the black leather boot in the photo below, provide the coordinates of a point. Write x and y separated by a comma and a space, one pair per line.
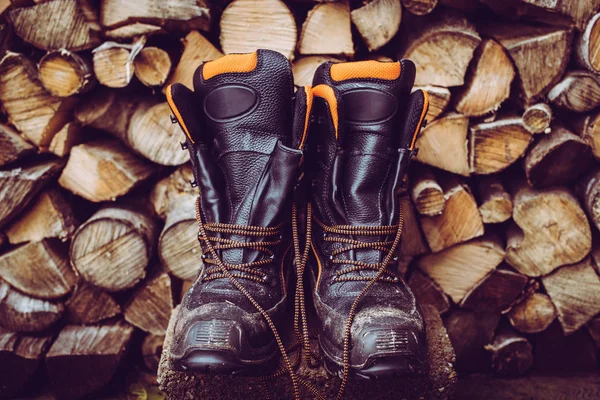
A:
244, 132
360, 143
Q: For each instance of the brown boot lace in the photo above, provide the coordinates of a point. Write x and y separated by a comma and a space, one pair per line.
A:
224, 270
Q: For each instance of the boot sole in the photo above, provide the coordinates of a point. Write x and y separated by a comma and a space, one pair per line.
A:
385, 365
218, 347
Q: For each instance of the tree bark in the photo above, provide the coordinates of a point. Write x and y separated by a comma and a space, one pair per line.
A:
426, 193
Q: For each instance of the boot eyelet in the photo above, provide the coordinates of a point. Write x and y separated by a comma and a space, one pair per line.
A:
203, 256
184, 146
331, 258
173, 119
395, 259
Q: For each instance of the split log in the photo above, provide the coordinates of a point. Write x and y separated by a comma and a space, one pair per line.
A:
112, 249
495, 292
439, 98
442, 48
64, 140
103, 170
512, 354
178, 245
40, 269
182, 14
419, 7
12, 146
378, 21
304, 68
460, 220
113, 64
53, 25
50, 216
540, 54
64, 73
89, 305
557, 159
537, 118
133, 30
152, 347
558, 354
534, 314
469, 332
196, 50
38, 115
152, 66
495, 202
426, 193
428, 292
459, 268
19, 360
494, 146
142, 123
590, 189
588, 45
326, 30
579, 91
151, 304
489, 78
167, 192
19, 186
552, 231
84, 359
245, 27
575, 291
443, 144
412, 244
21, 313
588, 128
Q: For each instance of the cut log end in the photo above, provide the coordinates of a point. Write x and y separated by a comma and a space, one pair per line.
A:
378, 21
64, 73
534, 314
537, 118
326, 30
152, 66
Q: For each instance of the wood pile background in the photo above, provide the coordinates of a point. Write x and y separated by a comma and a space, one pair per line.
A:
97, 229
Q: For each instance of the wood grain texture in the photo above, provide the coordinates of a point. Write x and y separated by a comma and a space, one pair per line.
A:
537, 118
534, 314
112, 249
152, 66
40, 269
442, 48
588, 45
326, 30
29, 107
495, 292
53, 25
552, 231
443, 144
413, 243
494, 146
151, 304
488, 82
512, 354
575, 291
246, 27
64, 73
196, 50
540, 54
420, 7
578, 91
49, 216
459, 268
69, 136
89, 305
142, 123
18, 186
460, 220
559, 158
428, 292
103, 170
12, 146
113, 65
22, 313
495, 203
426, 193
377, 22
439, 99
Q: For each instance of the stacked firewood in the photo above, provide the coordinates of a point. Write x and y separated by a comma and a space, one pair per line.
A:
97, 225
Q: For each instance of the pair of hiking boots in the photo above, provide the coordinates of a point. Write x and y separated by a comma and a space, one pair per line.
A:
265, 160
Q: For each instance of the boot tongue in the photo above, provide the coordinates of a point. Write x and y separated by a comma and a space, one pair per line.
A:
245, 101
373, 97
